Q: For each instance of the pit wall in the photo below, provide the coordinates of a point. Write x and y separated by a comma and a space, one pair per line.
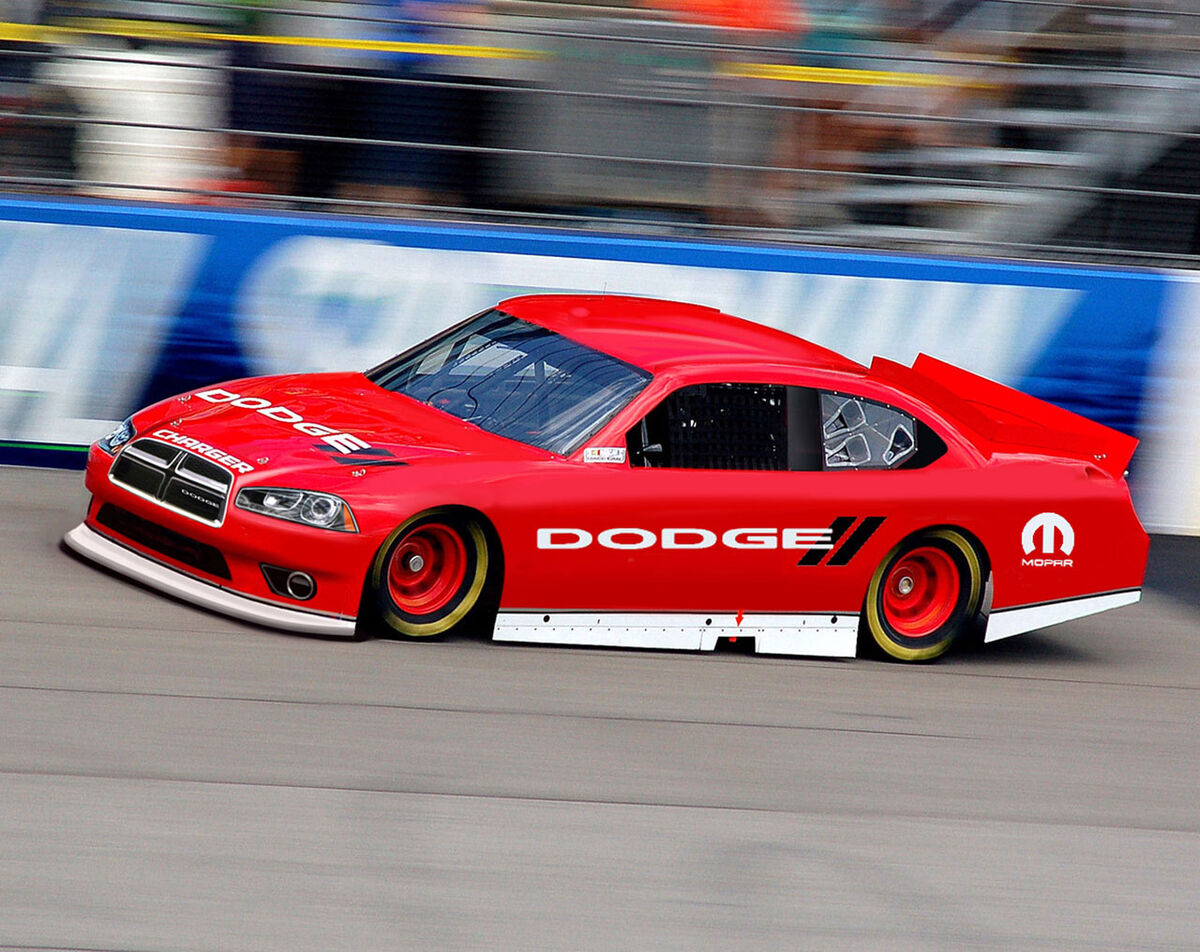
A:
106, 307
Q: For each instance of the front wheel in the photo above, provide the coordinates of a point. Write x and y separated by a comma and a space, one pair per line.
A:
430, 573
925, 594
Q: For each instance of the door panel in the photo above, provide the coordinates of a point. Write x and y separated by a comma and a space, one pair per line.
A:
617, 538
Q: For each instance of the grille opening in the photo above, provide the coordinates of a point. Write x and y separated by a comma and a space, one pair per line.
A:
132, 472
205, 472
173, 477
152, 452
168, 542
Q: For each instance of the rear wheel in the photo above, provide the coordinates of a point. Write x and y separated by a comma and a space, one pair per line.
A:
924, 595
430, 573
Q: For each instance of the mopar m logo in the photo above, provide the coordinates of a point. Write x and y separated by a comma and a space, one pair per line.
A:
343, 442
1049, 525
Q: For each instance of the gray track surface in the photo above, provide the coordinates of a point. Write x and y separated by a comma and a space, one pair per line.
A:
170, 779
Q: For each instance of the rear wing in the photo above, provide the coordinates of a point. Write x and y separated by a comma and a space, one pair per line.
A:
997, 418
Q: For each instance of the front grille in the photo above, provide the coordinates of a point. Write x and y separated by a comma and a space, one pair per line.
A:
168, 542
175, 478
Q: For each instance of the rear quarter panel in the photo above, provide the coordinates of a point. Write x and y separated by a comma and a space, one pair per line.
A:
1108, 546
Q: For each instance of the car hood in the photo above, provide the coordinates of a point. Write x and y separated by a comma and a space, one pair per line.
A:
303, 421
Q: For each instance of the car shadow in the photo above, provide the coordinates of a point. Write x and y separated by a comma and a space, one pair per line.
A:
1028, 648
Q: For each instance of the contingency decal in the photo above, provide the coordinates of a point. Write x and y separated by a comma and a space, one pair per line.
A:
343, 442
604, 454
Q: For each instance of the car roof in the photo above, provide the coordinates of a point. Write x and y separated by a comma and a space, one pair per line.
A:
655, 334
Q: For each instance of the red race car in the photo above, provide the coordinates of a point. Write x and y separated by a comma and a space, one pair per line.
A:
607, 470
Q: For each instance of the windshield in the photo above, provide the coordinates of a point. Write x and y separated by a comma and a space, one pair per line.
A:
515, 379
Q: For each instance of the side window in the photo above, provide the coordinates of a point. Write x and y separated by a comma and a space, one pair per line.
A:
730, 426
861, 434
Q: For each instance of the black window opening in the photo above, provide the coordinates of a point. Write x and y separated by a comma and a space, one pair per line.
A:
732, 426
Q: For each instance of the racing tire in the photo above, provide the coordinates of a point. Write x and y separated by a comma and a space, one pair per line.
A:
926, 594
430, 574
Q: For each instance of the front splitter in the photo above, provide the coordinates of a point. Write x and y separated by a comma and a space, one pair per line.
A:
92, 545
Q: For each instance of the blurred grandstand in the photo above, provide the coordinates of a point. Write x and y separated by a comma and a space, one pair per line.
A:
1030, 128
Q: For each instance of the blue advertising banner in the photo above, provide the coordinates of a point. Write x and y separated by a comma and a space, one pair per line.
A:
106, 307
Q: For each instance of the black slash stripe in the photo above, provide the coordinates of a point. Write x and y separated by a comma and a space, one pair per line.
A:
360, 453
858, 538
368, 456
840, 525
354, 461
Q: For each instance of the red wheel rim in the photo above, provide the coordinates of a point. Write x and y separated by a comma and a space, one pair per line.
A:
426, 569
920, 592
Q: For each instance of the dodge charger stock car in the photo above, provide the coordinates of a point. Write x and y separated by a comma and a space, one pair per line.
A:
604, 470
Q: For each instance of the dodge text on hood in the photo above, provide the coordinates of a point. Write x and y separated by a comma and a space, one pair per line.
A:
344, 442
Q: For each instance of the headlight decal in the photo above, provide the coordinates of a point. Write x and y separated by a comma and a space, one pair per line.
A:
118, 437
304, 507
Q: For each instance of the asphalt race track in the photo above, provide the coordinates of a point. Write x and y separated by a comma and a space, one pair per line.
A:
173, 780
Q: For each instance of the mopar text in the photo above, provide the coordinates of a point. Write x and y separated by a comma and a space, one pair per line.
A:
343, 442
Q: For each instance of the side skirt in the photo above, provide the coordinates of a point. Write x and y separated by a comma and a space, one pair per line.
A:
828, 635
1007, 622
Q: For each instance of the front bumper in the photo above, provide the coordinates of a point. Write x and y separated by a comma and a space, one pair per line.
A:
231, 556
92, 545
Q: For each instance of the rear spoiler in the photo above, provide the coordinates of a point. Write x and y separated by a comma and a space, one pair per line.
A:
997, 418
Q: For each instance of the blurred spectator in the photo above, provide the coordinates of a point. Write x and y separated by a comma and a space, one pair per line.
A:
771, 16
743, 133
822, 138
38, 130
672, 111
260, 103
16, 61
39, 140
847, 120
301, 109
289, 97
413, 98
147, 105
